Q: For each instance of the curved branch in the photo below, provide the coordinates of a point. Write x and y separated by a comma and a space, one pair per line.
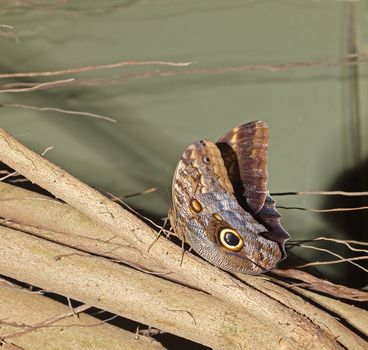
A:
294, 328
35, 321
127, 292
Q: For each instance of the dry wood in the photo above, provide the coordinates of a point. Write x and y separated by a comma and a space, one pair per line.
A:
61, 223
286, 325
36, 322
131, 293
317, 284
356, 317
320, 317
24, 206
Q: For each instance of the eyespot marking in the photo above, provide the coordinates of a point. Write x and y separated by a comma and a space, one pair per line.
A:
207, 159
231, 240
196, 206
217, 216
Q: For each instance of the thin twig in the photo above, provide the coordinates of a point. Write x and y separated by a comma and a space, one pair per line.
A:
48, 322
327, 193
349, 60
147, 191
324, 210
341, 258
93, 68
297, 241
46, 150
342, 241
14, 173
40, 86
65, 111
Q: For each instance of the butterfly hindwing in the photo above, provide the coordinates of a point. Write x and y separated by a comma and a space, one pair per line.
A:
207, 213
244, 150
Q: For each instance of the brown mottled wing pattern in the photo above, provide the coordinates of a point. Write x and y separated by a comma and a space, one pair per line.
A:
204, 204
193, 175
270, 217
244, 150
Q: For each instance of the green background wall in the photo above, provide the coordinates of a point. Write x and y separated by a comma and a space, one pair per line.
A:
317, 115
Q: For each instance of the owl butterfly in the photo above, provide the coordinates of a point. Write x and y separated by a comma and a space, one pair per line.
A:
221, 204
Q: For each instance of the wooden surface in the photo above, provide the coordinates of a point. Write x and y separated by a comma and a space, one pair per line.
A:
268, 316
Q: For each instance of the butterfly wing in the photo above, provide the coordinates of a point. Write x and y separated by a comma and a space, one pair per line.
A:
244, 150
206, 212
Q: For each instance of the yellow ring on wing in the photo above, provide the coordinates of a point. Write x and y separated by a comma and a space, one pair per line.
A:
231, 239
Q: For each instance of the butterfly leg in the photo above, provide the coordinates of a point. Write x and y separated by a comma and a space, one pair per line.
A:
176, 231
182, 249
159, 233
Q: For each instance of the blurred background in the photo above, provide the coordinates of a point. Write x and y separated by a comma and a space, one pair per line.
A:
301, 66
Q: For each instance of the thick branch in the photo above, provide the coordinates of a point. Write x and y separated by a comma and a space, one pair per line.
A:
294, 328
25, 207
61, 223
356, 317
319, 317
30, 320
320, 285
127, 292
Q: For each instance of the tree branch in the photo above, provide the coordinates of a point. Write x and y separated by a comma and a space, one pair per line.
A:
35, 321
122, 290
279, 323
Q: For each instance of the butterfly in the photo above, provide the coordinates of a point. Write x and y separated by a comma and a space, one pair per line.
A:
221, 204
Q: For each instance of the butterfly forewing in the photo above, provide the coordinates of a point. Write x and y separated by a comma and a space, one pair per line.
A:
204, 206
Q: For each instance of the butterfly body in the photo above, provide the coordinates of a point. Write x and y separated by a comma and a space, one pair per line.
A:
207, 213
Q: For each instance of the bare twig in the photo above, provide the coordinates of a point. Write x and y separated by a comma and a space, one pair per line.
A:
317, 284
65, 111
147, 191
118, 198
47, 149
327, 193
297, 242
345, 242
324, 210
339, 261
14, 173
40, 86
93, 68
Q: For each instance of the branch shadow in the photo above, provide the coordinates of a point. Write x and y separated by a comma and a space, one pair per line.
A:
353, 225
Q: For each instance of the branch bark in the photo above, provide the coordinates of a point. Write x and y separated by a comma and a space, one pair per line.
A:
124, 291
58, 222
25, 207
36, 322
280, 324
